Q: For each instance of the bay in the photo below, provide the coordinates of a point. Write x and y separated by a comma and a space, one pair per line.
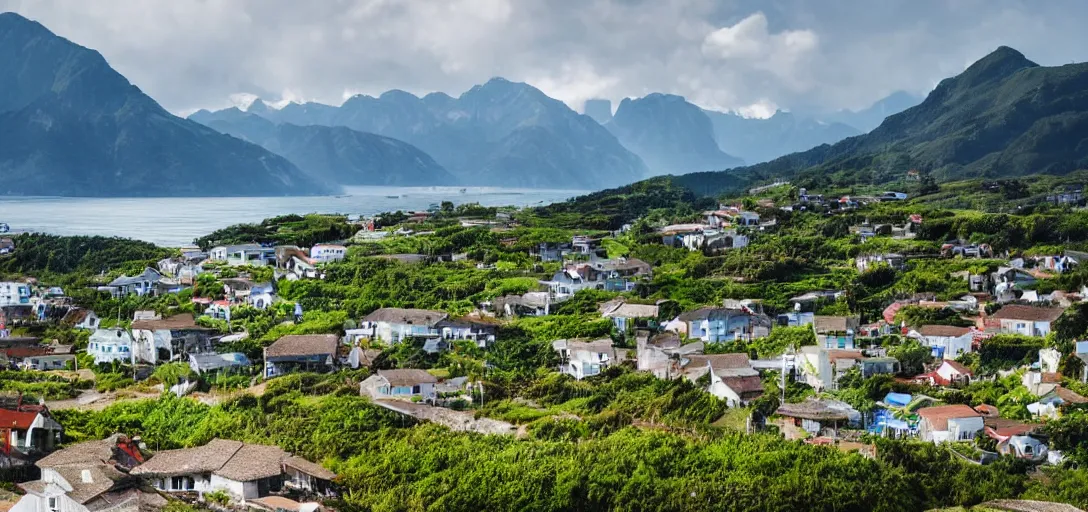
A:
176, 221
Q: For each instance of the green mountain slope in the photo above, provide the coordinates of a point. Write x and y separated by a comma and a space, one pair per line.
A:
1003, 116
70, 125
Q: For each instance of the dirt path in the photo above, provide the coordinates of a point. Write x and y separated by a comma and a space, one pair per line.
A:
455, 420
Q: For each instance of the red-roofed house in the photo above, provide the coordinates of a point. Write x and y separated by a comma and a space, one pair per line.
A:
28, 429
949, 373
949, 423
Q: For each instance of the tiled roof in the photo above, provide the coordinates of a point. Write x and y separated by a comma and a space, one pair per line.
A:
407, 377
959, 367
938, 416
721, 361
201, 459
1028, 313
253, 462
747, 387
310, 468
90, 452
943, 330
302, 345
176, 322
20, 420
406, 316
834, 323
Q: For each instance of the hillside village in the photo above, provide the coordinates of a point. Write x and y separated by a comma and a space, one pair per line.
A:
847, 323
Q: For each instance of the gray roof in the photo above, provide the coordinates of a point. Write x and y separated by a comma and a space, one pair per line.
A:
407, 377
309, 468
201, 459
234, 460
406, 316
302, 345
835, 323
624, 310
149, 274
206, 362
86, 453
253, 462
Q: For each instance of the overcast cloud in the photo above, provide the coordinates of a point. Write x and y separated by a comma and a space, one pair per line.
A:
745, 55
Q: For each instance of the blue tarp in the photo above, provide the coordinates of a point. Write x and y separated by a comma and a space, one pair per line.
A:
897, 399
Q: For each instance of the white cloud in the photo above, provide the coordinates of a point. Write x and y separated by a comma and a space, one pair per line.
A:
762, 109
724, 54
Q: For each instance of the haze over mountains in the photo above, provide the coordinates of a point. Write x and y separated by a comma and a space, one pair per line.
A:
71, 125
500, 133
333, 153
1003, 116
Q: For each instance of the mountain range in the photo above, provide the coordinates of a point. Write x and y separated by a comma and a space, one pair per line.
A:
1003, 116
671, 135
335, 154
501, 133
71, 125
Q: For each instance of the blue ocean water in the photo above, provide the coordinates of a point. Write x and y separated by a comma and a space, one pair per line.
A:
175, 221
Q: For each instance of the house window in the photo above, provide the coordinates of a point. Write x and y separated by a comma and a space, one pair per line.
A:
182, 483
53, 503
416, 390
966, 435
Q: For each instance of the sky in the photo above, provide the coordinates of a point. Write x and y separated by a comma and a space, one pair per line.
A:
746, 56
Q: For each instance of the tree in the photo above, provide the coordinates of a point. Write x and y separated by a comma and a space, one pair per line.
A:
912, 357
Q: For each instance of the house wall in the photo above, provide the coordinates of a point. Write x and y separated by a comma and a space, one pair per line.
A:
964, 428
238, 490
720, 390
953, 346
36, 503
844, 341
947, 372
1025, 327
201, 483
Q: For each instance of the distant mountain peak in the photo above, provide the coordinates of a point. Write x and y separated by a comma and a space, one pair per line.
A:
398, 95
997, 65
258, 106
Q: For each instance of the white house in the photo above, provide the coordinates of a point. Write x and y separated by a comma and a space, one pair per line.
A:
395, 324
566, 283
85, 477
823, 367
14, 294
732, 377
324, 253
949, 423
582, 359
245, 254
108, 345
82, 318
146, 283
404, 384
949, 373
82, 488
244, 471
866, 261
1026, 320
947, 342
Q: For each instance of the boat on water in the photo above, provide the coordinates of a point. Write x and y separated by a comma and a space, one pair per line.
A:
4, 228
392, 197
464, 190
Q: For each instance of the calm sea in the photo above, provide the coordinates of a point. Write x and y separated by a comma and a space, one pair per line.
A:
177, 221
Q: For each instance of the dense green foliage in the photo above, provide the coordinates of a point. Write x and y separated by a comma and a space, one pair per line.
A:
300, 230
384, 464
